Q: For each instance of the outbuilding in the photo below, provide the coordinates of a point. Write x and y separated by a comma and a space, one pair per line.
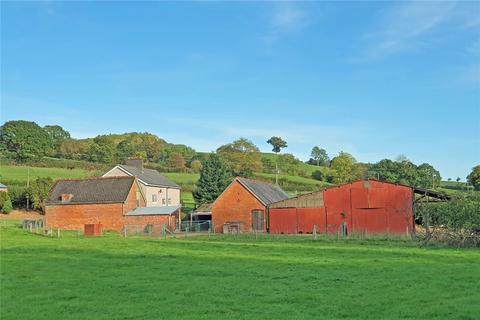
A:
73, 203
242, 207
366, 207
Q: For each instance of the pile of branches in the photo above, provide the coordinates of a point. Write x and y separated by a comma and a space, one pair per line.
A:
454, 223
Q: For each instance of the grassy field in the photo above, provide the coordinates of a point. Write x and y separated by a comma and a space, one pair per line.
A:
233, 278
20, 173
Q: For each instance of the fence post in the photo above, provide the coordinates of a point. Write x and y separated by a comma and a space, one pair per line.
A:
125, 231
314, 232
164, 229
58, 232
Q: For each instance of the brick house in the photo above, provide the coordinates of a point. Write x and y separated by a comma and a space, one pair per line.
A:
242, 207
73, 203
158, 190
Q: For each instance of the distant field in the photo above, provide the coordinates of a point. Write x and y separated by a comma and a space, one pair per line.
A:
233, 277
20, 173
182, 178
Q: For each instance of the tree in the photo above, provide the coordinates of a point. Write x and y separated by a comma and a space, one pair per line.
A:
278, 144
38, 192
343, 166
428, 176
102, 150
242, 156
5, 202
196, 166
25, 139
176, 161
215, 177
318, 175
320, 156
57, 136
474, 177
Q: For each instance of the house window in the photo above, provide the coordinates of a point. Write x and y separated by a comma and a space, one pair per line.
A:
169, 200
154, 198
163, 201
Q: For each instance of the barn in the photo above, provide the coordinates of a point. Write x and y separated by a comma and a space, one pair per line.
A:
242, 207
365, 207
73, 203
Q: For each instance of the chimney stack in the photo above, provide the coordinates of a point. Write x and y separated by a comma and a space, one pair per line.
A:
135, 162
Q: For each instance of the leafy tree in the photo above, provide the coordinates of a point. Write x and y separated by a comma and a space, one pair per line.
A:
5, 203
102, 150
75, 149
458, 179
320, 156
176, 161
428, 176
38, 192
196, 166
215, 177
278, 144
57, 136
242, 156
474, 177
343, 165
25, 139
289, 164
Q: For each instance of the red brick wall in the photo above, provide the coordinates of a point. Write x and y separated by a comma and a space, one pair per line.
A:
156, 221
75, 216
235, 204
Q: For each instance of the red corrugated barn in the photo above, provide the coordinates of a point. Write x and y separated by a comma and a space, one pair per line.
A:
367, 207
243, 205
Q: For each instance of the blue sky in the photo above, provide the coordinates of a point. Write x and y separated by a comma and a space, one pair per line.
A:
375, 79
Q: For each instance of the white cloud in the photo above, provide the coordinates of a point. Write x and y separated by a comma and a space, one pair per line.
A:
285, 18
416, 25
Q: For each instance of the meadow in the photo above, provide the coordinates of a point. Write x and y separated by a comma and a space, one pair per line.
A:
21, 173
233, 277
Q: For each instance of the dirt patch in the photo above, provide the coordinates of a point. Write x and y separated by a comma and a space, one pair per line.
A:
22, 215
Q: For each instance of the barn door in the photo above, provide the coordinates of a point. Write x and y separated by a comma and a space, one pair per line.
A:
258, 220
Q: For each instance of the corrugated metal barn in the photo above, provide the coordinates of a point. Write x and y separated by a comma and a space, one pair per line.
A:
367, 206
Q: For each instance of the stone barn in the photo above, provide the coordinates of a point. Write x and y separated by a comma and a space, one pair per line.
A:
242, 207
73, 203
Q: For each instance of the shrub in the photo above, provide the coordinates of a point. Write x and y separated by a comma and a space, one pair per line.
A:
5, 202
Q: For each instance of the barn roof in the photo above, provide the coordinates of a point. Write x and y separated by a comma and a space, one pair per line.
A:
265, 192
149, 176
92, 190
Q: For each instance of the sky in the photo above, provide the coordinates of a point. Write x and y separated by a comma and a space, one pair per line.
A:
375, 79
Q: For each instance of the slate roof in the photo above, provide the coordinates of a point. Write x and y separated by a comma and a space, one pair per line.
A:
150, 176
154, 211
203, 209
265, 192
94, 190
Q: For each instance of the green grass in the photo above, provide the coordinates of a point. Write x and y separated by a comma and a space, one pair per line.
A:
20, 173
182, 178
233, 278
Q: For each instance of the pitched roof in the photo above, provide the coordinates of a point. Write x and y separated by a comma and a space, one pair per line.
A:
2, 186
265, 192
154, 211
93, 190
149, 176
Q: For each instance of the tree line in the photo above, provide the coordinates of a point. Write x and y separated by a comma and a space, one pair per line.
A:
25, 140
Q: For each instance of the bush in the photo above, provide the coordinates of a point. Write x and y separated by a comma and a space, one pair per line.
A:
317, 175
5, 202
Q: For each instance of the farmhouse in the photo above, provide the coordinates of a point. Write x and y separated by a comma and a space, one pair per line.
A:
158, 190
242, 207
366, 207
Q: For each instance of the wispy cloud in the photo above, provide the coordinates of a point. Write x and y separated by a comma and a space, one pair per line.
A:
416, 25
283, 19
